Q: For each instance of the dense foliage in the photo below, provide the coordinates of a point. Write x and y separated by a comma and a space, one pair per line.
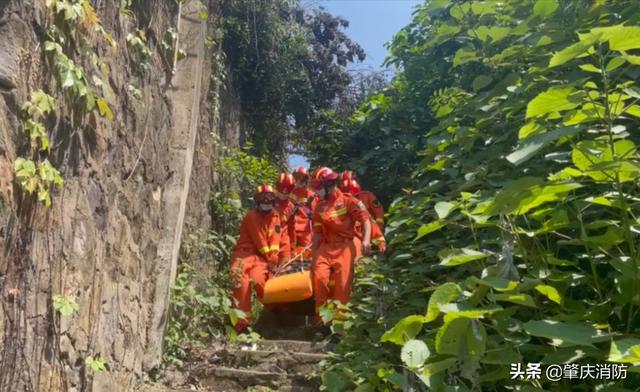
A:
516, 238
289, 64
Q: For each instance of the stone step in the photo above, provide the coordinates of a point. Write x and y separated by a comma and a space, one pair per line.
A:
299, 363
300, 346
225, 379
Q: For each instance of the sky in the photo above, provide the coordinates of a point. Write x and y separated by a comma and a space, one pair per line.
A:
371, 24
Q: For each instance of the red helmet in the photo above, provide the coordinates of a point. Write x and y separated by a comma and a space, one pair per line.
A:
321, 176
301, 172
285, 183
355, 187
349, 175
264, 193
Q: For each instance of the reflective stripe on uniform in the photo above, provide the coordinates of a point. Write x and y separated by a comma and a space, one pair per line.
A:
264, 250
336, 213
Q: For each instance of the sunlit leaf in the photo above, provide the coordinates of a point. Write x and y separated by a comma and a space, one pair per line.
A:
443, 294
451, 257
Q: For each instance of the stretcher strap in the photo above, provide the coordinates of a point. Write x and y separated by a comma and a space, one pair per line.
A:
285, 265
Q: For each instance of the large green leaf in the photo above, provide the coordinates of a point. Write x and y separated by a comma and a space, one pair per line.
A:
622, 38
532, 145
565, 333
414, 353
430, 228
625, 351
444, 208
444, 294
569, 53
545, 8
451, 257
524, 194
555, 99
451, 336
405, 330
463, 56
598, 161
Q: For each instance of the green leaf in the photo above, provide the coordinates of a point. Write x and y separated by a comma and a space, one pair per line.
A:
555, 99
535, 143
334, 381
571, 52
520, 299
550, 292
463, 56
526, 193
454, 311
450, 337
443, 294
544, 8
414, 353
624, 38
481, 81
590, 68
497, 283
615, 63
451, 257
405, 330
595, 158
444, 208
631, 59
625, 351
565, 333
528, 129
430, 228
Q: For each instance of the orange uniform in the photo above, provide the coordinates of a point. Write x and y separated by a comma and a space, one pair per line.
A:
287, 210
374, 207
305, 200
262, 242
334, 220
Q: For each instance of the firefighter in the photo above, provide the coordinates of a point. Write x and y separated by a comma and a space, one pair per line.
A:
335, 244
263, 244
377, 237
285, 184
304, 200
369, 199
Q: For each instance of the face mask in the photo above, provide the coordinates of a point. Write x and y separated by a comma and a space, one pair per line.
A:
265, 207
322, 193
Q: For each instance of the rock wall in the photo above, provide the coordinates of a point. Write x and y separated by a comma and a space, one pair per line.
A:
111, 237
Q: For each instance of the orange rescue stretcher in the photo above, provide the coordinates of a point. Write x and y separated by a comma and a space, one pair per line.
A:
290, 284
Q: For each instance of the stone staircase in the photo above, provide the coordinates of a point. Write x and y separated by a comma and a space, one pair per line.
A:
286, 359
269, 365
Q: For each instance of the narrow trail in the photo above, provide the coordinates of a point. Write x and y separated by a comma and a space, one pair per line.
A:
286, 359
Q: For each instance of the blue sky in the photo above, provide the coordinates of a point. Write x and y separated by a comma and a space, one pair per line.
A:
371, 24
